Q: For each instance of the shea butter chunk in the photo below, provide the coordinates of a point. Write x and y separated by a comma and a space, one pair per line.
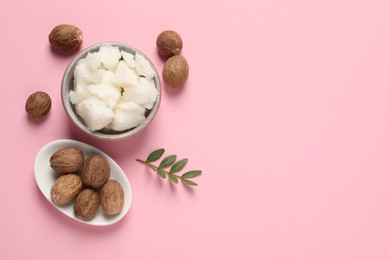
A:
144, 93
95, 113
124, 76
106, 92
127, 115
110, 56
143, 66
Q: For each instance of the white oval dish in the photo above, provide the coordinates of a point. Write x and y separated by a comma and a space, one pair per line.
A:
45, 176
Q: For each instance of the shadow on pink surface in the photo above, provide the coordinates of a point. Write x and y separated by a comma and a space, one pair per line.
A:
36, 122
172, 91
115, 149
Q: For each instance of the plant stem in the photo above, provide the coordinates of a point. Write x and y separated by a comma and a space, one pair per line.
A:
147, 164
155, 168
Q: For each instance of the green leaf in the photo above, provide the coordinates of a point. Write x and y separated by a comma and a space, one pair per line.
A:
189, 182
191, 174
167, 161
155, 155
177, 166
173, 178
161, 173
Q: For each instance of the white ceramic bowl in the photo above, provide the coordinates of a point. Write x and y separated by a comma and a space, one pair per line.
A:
67, 85
45, 178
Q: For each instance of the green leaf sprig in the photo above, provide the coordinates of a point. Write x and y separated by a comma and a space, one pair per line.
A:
175, 167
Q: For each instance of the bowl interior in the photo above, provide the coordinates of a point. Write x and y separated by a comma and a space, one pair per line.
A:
67, 85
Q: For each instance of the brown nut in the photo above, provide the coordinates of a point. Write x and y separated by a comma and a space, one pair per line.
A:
67, 160
95, 172
86, 204
38, 104
112, 197
66, 37
169, 43
175, 71
65, 189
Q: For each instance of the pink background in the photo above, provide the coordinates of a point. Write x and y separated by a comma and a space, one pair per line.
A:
286, 111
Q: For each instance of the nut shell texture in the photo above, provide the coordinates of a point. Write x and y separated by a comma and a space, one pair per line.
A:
65, 189
86, 204
67, 160
169, 43
38, 104
95, 172
175, 71
66, 37
112, 197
